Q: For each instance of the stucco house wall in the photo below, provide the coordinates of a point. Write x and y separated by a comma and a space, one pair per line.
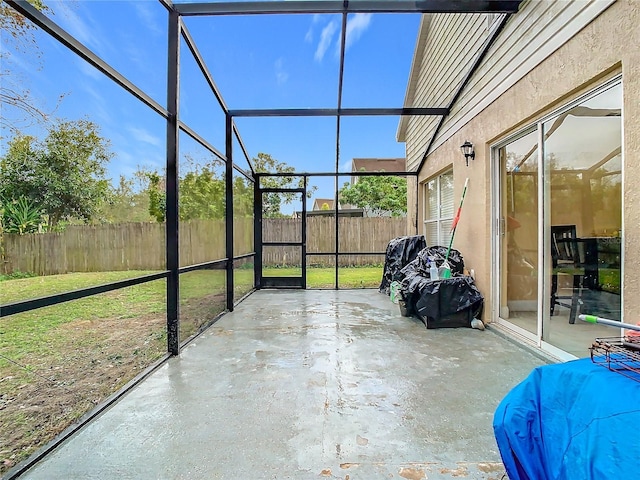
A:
578, 45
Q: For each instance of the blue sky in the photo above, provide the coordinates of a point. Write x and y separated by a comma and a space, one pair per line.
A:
264, 61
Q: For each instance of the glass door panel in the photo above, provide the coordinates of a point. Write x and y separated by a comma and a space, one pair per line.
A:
518, 241
583, 187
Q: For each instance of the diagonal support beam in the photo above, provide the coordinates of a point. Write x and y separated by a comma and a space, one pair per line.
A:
203, 66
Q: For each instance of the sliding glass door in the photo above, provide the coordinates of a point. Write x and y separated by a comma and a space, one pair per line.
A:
574, 197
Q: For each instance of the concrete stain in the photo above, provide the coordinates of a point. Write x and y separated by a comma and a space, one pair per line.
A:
326, 472
223, 333
461, 471
345, 466
361, 440
492, 467
412, 473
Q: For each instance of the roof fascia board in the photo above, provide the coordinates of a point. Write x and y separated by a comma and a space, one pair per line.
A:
414, 73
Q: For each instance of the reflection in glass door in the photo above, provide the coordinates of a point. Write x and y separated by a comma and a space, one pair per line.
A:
518, 240
583, 192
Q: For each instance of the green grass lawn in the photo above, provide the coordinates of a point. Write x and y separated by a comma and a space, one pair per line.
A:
19, 289
348, 277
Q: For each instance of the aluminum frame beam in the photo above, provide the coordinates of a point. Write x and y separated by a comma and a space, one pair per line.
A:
236, 133
352, 6
195, 136
343, 43
191, 44
171, 184
339, 112
26, 305
338, 174
228, 214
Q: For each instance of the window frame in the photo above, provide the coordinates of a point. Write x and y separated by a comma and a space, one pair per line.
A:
439, 220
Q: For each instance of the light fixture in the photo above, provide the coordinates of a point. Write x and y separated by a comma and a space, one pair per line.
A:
467, 151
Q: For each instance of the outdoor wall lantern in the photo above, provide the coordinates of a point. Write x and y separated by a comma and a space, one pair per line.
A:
467, 151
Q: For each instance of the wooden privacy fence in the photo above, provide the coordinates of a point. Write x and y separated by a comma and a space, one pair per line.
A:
141, 246
355, 235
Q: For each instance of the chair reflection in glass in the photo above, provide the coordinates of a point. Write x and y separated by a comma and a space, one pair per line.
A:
567, 254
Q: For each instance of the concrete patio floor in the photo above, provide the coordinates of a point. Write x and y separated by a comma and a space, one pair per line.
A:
308, 385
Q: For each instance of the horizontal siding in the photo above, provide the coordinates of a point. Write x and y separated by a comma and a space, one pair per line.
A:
540, 28
453, 41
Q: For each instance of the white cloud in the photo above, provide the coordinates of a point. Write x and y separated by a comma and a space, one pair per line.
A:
309, 36
127, 158
86, 30
142, 135
146, 11
356, 26
16, 60
315, 19
281, 75
98, 103
345, 166
88, 69
325, 39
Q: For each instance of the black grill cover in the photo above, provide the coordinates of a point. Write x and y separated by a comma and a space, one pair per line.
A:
400, 252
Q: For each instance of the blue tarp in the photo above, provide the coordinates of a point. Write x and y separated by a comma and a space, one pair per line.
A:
571, 421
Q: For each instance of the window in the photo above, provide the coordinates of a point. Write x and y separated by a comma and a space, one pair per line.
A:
438, 209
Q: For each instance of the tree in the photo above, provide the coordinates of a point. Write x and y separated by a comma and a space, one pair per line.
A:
14, 93
15, 24
128, 202
157, 197
64, 175
201, 191
202, 194
272, 202
242, 197
377, 195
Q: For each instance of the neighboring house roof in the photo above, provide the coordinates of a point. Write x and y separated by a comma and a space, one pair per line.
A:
377, 165
319, 202
350, 212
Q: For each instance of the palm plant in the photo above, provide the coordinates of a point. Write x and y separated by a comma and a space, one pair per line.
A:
20, 216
